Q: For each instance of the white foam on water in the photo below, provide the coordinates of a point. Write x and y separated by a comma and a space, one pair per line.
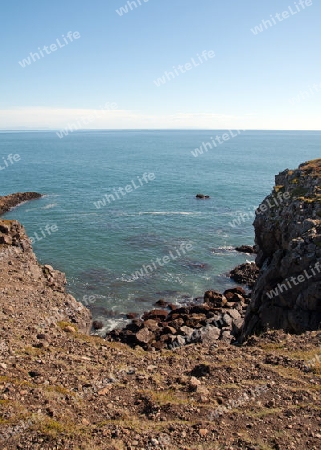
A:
170, 213
162, 213
111, 324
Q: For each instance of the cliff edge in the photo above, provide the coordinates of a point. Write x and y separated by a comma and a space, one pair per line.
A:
31, 291
287, 294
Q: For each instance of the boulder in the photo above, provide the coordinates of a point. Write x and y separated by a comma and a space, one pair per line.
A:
246, 273
214, 298
98, 325
151, 324
156, 314
202, 196
246, 249
145, 336
210, 334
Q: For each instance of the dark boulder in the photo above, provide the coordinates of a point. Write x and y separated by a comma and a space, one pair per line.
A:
246, 273
202, 196
246, 249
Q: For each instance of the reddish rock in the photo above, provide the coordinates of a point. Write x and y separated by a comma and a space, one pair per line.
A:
175, 317
200, 309
135, 325
187, 331
234, 296
170, 338
159, 345
212, 294
128, 336
168, 330
4, 239
172, 307
181, 311
176, 323
151, 324
156, 314
196, 320
161, 302
236, 290
229, 296
145, 336
132, 315
214, 298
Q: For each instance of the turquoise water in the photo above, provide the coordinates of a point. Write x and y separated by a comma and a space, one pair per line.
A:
99, 249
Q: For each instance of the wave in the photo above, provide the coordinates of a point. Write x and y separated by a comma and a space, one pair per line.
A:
50, 195
169, 213
223, 250
51, 205
111, 324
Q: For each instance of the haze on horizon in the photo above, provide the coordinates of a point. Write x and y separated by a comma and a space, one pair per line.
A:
147, 64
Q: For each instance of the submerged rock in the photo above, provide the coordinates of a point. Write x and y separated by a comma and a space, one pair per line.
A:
246, 249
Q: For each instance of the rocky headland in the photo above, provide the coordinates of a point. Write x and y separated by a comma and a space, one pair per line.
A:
287, 227
10, 201
62, 388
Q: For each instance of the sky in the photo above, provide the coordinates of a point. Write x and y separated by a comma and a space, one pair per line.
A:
106, 75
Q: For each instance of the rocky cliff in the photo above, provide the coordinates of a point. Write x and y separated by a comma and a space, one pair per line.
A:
287, 226
30, 291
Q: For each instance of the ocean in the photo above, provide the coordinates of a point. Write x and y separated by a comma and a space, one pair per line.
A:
128, 229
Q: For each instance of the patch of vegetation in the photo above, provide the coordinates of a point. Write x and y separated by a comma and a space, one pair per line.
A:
272, 346
312, 167
264, 412
52, 427
59, 390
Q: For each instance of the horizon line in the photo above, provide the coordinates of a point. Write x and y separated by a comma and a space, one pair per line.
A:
150, 129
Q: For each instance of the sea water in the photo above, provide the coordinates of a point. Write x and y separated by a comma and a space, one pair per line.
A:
107, 233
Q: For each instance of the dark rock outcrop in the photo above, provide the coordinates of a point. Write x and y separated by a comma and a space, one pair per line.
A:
246, 273
10, 201
287, 294
202, 196
246, 249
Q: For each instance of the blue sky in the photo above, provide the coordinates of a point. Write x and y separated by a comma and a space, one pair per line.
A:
249, 84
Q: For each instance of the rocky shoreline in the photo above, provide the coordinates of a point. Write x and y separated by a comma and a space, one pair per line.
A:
214, 317
8, 202
207, 320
